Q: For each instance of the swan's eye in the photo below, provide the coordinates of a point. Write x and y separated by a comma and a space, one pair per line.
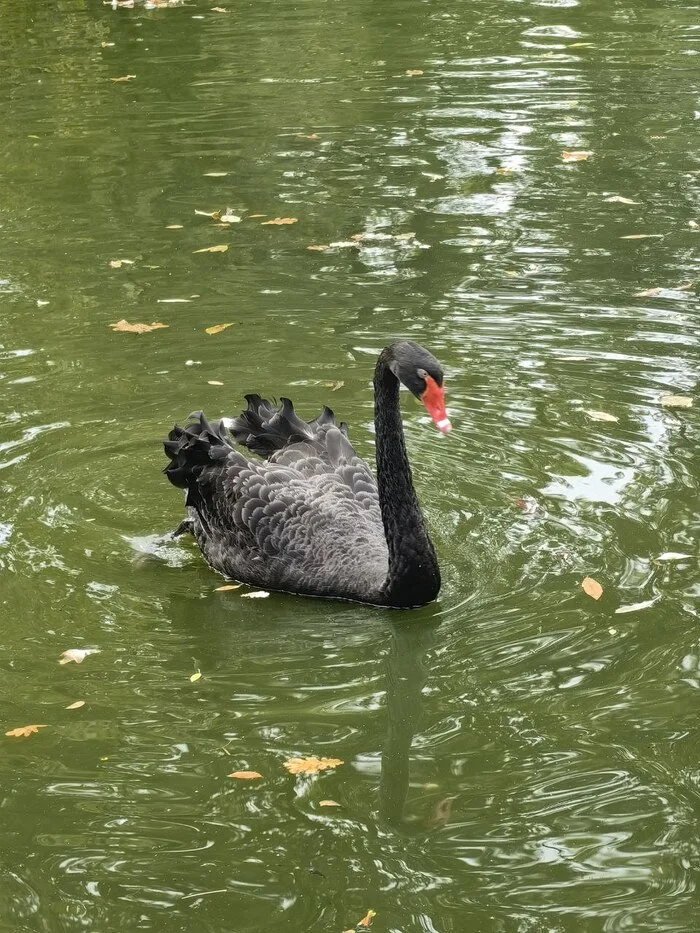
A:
422, 373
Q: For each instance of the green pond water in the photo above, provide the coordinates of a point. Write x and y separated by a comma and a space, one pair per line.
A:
518, 757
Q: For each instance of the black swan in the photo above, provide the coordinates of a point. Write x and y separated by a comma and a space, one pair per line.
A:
311, 518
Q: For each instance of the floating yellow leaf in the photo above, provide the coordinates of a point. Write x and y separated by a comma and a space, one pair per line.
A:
214, 382
123, 78
230, 218
124, 327
321, 248
215, 174
504, 171
592, 588
618, 199
641, 236
217, 328
24, 731
334, 386
676, 401
212, 249
76, 705
228, 586
245, 775
219, 9
257, 215
215, 215
118, 263
413, 71
256, 594
328, 803
575, 156
76, 654
367, 919
310, 765
599, 415
195, 677
278, 221
174, 227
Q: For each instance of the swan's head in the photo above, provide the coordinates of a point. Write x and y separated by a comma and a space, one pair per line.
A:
422, 375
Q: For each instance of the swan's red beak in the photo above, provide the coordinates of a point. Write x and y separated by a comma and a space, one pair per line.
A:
434, 400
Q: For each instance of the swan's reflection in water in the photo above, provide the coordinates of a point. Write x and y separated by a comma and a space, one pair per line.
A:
406, 675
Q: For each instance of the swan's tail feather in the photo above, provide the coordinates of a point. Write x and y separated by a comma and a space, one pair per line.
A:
191, 449
265, 429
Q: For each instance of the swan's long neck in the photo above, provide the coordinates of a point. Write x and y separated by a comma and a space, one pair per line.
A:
413, 577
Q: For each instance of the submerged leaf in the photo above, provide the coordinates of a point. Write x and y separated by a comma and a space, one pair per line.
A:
279, 221
217, 328
245, 775
599, 415
311, 765
414, 71
592, 588
76, 654
676, 401
124, 327
25, 731
575, 156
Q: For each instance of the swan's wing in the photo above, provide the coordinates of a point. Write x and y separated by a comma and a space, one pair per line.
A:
307, 520
264, 429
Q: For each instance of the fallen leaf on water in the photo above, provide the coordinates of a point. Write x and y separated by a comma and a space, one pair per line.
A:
580, 45
217, 328
256, 594
228, 586
599, 415
76, 654
214, 382
41, 304
106, 45
279, 221
575, 156
230, 218
414, 71
311, 765
642, 236
245, 775
618, 199
648, 293
694, 224
174, 227
504, 171
76, 705
367, 919
212, 249
219, 9
24, 731
676, 401
118, 263
195, 677
318, 249
343, 244
328, 803
215, 215
334, 386
592, 588
215, 174
256, 215
673, 555
124, 327
123, 78
173, 301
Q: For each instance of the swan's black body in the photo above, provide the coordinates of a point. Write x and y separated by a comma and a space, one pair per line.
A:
311, 518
